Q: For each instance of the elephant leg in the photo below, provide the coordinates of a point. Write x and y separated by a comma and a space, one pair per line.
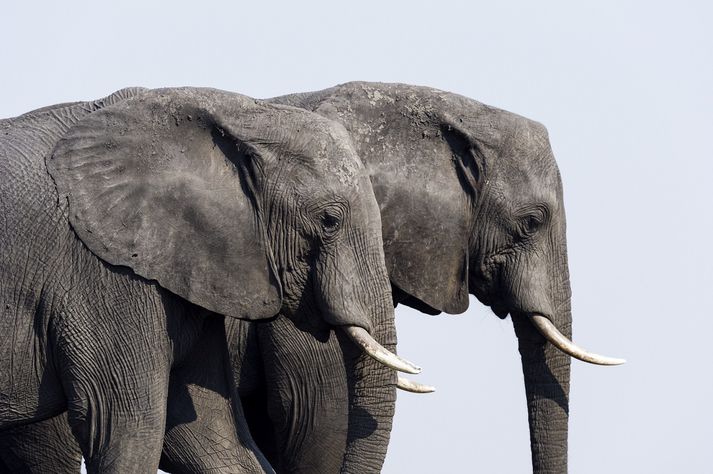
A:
307, 396
114, 356
205, 432
40, 447
119, 417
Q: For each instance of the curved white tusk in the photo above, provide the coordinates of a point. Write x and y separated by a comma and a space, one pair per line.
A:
363, 339
413, 387
552, 334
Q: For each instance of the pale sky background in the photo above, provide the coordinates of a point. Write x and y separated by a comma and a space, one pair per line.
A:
625, 89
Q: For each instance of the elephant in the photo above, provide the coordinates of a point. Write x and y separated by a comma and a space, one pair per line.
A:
135, 226
471, 203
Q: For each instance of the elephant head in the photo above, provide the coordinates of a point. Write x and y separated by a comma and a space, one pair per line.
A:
471, 203
241, 207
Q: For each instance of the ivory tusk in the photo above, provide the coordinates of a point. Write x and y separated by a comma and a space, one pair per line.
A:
363, 339
413, 387
552, 334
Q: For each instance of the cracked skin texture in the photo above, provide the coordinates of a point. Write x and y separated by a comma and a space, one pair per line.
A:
109, 345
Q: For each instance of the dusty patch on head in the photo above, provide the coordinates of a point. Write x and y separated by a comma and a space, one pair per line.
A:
375, 96
347, 170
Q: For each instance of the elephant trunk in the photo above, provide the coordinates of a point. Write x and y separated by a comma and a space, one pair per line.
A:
372, 399
547, 373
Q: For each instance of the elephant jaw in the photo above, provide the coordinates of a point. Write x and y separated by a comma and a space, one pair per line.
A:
557, 339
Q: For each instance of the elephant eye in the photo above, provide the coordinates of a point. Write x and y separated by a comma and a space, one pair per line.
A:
530, 224
330, 222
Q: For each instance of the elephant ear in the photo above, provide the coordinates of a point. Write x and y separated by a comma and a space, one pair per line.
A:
162, 184
426, 218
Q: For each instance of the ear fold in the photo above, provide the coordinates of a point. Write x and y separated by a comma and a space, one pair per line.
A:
426, 216
162, 184
468, 158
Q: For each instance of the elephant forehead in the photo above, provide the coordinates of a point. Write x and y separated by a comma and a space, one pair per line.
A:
337, 162
319, 143
527, 137
344, 172
525, 153
342, 185
527, 184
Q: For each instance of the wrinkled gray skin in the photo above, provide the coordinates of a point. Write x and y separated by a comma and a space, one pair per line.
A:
59, 452
131, 226
471, 202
